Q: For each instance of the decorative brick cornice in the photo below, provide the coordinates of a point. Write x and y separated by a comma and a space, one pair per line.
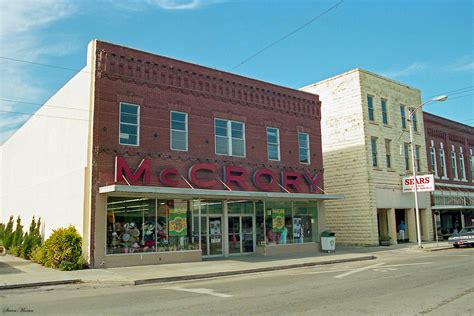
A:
132, 66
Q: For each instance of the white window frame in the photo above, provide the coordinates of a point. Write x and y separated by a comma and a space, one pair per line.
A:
277, 144
373, 151
171, 130
471, 164
417, 158
229, 137
384, 113
138, 123
454, 163
370, 108
462, 165
415, 122
442, 160
307, 149
403, 117
406, 155
388, 153
433, 162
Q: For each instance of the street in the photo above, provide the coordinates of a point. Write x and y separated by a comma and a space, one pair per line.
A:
399, 282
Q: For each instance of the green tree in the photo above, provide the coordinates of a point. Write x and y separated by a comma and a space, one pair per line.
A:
32, 239
8, 233
17, 238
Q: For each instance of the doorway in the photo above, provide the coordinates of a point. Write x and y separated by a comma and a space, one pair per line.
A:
240, 234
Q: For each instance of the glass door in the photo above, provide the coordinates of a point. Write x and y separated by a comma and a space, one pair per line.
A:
235, 246
215, 235
247, 233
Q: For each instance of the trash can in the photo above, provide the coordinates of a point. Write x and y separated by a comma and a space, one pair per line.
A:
328, 241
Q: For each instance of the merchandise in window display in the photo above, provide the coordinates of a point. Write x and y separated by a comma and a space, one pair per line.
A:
149, 234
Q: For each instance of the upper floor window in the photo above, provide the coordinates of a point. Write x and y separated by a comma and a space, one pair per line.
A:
462, 167
388, 153
273, 143
471, 164
434, 166
370, 105
384, 111
442, 162
454, 165
403, 116
179, 131
417, 158
406, 153
129, 124
373, 142
230, 138
303, 147
415, 122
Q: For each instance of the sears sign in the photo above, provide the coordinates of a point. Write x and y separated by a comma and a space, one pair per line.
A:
423, 183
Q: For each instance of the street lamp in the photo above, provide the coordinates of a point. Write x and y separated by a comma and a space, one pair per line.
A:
412, 112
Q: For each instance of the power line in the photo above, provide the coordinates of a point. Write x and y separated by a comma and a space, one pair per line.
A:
41, 64
41, 104
287, 35
53, 116
452, 92
461, 96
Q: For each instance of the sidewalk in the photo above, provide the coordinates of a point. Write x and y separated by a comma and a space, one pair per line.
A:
19, 273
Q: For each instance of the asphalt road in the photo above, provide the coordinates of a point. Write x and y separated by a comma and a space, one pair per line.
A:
401, 282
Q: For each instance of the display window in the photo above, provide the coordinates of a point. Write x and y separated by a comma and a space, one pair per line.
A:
137, 225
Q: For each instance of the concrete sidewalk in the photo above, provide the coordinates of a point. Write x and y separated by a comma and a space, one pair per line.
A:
19, 273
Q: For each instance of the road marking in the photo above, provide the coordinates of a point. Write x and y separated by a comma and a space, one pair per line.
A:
340, 276
200, 291
380, 269
408, 264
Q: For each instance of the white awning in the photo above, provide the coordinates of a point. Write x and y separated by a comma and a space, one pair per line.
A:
186, 193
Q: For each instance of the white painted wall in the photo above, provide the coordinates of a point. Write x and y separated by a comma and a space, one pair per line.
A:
42, 165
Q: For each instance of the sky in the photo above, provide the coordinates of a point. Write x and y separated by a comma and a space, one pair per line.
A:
425, 44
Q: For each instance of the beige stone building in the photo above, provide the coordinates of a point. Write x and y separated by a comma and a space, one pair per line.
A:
366, 152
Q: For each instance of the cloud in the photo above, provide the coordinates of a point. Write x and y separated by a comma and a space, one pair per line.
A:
21, 37
137, 5
412, 69
465, 63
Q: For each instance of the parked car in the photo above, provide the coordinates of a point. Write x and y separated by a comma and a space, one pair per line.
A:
464, 237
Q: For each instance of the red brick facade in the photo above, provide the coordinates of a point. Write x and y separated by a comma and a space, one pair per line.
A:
160, 85
439, 131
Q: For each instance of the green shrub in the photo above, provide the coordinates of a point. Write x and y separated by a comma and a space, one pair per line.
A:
8, 233
62, 250
2, 232
32, 239
17, 236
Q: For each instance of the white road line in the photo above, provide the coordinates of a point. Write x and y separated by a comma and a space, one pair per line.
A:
407, 264
200, 291
340, 276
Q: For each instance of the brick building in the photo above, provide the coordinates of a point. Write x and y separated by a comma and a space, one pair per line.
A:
366, 152
449, 148
158, 160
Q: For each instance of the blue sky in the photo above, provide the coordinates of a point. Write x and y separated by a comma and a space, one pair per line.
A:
425, 44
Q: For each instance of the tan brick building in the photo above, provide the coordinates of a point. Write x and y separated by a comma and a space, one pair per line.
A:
366, 152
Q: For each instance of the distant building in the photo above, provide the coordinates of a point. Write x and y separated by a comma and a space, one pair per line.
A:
450, 150
366, 152
157, 160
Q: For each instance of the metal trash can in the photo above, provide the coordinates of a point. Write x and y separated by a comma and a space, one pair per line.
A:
328, 241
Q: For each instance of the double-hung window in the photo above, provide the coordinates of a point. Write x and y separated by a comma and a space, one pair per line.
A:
434, 166
462, 166
388, 153
273, 143
415, 122
373, 142
129, 124
229, 138
403, 116
417, 158
384, 112
407, 155
471, 164
179, 131
370, 107
303, 147
454, 165
442, 162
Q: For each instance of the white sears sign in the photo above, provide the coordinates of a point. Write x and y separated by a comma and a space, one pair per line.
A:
423, 183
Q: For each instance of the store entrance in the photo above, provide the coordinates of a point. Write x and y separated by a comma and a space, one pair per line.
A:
240, 234
215, 240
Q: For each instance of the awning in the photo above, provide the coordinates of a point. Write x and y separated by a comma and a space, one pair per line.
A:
186, 193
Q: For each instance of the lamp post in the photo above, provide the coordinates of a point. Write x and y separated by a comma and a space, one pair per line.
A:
412, 112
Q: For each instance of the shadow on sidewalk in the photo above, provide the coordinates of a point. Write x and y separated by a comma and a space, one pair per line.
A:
8, 269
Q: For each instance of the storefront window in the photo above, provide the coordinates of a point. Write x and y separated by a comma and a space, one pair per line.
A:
279, 223
260, 222
136, 225
306, 214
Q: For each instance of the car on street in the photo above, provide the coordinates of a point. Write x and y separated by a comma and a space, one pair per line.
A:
464, 237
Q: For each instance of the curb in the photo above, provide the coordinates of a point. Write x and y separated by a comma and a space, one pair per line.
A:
238, 272
438, 249
37, 284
